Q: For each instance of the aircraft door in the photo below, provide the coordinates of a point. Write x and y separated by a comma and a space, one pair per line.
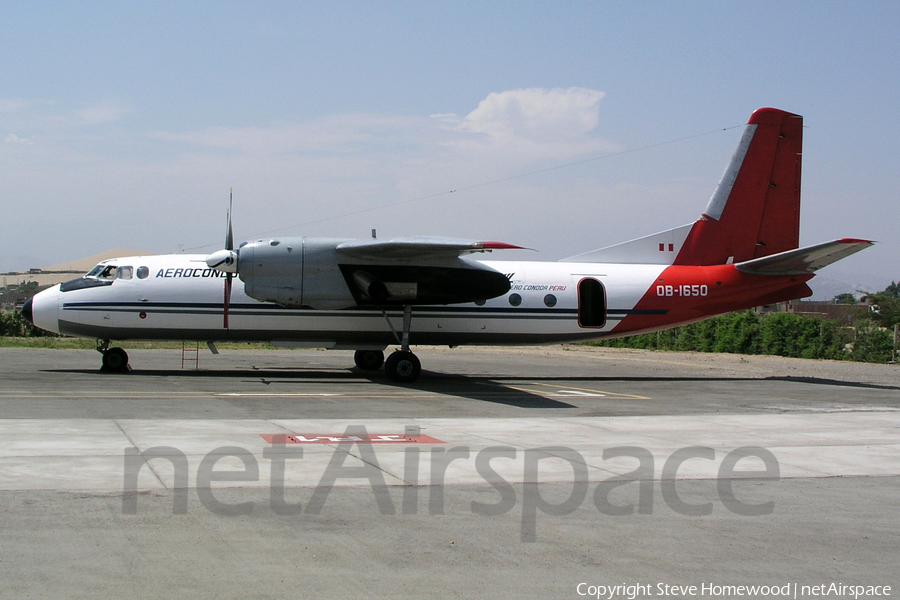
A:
123, 286
591, 303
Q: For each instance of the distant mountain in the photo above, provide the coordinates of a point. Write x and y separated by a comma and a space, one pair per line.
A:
62, 272
86, 264
836, 281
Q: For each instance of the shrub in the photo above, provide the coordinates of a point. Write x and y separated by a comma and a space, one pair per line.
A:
780, 334
14, 324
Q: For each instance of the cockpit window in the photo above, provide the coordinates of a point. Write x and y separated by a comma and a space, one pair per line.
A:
83, 283
110, 272
102, 275
143, 272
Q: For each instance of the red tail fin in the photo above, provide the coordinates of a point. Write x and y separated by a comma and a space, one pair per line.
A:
755, 210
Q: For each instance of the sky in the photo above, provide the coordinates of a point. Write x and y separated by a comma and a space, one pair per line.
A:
558, 126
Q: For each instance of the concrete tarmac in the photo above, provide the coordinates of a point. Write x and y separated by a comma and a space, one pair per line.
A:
504, 473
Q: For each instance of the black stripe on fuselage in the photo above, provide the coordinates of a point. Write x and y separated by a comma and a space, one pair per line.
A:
202, 308
324, 338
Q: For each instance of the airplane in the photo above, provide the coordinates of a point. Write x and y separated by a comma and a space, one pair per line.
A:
369, 294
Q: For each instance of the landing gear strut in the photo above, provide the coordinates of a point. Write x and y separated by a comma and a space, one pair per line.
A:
402, 366
115, 360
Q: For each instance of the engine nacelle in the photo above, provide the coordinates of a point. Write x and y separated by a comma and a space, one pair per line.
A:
295, 272
313, 272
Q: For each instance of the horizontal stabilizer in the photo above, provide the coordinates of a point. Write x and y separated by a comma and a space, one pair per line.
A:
803, 260
656, 249
418, 247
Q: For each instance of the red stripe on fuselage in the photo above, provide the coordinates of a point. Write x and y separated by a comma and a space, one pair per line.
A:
689, 293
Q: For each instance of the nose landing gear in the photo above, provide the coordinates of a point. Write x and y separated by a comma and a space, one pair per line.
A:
115, 360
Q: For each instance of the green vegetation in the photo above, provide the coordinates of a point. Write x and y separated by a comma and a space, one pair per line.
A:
61, 343
870, 339
13, 324
886, 306
780, 334
845, 298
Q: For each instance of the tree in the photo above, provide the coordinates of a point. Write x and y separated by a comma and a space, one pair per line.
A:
886, 306
845, 298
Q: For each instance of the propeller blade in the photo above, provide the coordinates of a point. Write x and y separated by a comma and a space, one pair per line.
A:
225, 261
227, 301
229, 234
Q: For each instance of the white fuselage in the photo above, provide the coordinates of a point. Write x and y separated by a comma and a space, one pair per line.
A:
178, 297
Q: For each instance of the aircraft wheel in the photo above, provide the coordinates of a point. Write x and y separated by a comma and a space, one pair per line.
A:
369, 360
402, 367
115, 359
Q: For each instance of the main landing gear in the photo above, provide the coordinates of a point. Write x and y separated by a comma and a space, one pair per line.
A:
115, 360
369, 360
402, 366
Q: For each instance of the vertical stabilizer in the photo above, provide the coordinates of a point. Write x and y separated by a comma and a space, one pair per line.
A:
755, 210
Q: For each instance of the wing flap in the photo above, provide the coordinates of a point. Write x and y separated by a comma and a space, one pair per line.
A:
803, 260
417, 247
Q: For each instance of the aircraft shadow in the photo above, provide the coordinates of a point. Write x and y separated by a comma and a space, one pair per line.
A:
834, 382
496, 390
482, 389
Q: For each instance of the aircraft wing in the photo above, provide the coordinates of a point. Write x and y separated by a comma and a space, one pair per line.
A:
803, 260
417, 247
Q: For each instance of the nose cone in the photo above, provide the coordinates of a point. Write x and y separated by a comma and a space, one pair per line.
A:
43, 310
27, 311
224, 261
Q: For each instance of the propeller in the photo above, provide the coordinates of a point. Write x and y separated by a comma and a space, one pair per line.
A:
226, 261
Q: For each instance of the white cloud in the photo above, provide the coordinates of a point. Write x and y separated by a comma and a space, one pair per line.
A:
14, 139
338, 134
102, 113
531, 124
53, 122
12, 104
537, 113
322, 176
510, 128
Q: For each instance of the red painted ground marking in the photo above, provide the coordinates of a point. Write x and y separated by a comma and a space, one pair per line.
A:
330, 438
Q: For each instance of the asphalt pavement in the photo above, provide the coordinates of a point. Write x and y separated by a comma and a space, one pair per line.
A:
558, 472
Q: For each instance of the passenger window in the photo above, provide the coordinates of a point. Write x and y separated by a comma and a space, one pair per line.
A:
124, 272
143, 272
